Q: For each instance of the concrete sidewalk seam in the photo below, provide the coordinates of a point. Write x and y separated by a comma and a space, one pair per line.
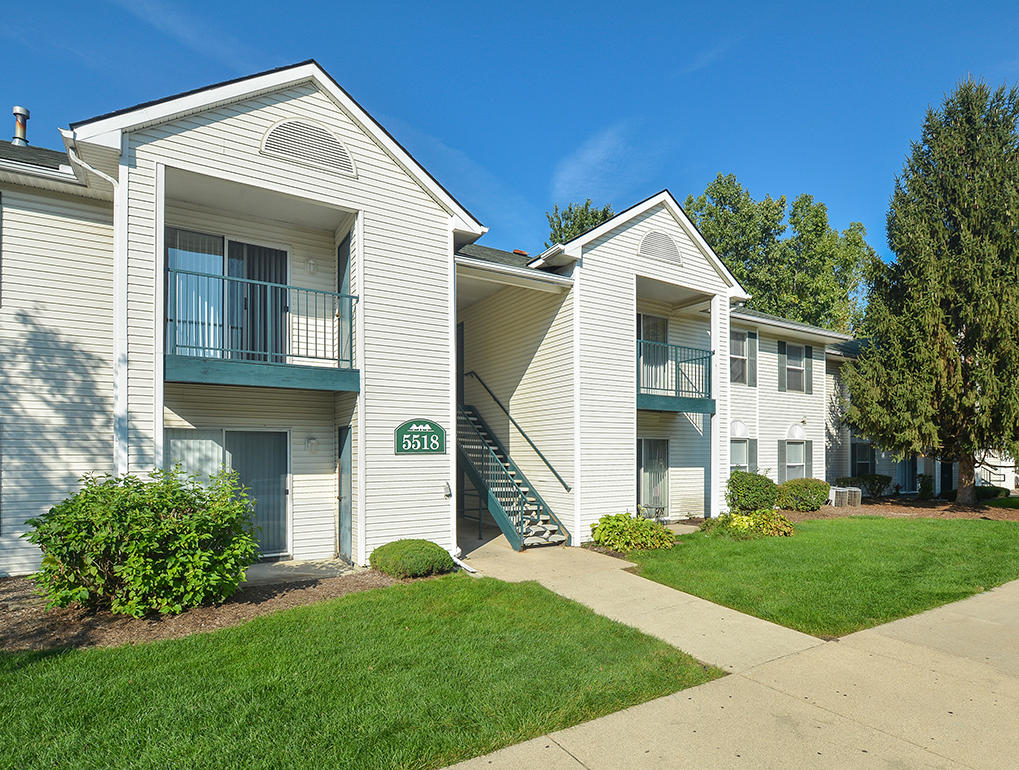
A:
573, 756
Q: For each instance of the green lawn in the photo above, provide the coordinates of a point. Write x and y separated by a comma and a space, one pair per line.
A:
1003, 502
836, 576
416, 675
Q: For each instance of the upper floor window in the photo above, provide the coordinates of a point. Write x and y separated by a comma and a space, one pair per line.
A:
738, 357
795, 367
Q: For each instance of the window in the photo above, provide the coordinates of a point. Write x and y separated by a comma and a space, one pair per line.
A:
795, 460
795, 373
739, 455
738, 357
862, 458
653, 475
653, 354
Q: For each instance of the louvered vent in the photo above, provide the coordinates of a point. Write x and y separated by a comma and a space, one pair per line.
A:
657, 245
308, 143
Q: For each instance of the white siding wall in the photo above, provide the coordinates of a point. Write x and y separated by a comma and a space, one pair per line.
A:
520, 342
56, 343
405, 257
306, 414
608, 387
346, 415
837, 436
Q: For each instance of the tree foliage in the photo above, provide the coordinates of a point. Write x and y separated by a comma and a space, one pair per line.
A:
577, 218
940, 374
815, 274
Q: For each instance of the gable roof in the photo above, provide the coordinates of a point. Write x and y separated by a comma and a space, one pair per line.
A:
106, 129
565, 252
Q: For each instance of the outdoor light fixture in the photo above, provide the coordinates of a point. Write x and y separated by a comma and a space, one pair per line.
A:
311, 266
311, 444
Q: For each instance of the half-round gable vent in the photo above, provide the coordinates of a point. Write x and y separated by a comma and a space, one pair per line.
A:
658, 245
308, 142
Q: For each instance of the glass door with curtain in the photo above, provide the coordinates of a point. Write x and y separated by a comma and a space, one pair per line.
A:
257, 312
195, 301
653, 476
260, 459
653, 353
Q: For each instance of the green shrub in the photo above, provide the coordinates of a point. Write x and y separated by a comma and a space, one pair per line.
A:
984, 492
802, 494
623, 532
411, 558
136, 546
749, 526
750, 492
925, 486
872, 484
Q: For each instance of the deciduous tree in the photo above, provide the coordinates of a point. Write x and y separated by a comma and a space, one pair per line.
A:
566, 224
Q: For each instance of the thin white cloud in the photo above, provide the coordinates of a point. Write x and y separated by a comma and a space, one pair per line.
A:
708, 56
610, 164
193, 32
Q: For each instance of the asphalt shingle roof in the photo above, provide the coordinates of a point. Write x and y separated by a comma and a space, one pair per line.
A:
35, 156
748, 311
488, 254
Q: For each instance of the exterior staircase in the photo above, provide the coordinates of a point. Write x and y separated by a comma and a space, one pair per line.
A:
522, 515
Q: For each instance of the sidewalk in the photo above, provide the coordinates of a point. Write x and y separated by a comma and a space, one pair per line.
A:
939, 689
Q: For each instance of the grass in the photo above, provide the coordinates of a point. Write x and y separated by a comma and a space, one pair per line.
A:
836, 576
414, 676
1002, 502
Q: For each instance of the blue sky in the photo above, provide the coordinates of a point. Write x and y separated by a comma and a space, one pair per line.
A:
516, 106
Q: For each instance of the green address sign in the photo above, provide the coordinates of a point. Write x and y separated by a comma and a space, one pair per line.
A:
420, 437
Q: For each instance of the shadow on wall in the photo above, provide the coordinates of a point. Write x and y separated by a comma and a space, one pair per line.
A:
836, 437
56, 424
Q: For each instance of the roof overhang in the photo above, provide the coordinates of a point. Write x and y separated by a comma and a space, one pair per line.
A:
560, 254
107, 130
509, 275
790, 327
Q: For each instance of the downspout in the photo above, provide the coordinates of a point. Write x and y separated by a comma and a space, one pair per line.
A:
75, 159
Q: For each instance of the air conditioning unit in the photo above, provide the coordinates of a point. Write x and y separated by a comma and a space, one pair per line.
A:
845, 497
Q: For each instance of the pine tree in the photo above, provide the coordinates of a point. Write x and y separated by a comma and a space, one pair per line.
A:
940, 373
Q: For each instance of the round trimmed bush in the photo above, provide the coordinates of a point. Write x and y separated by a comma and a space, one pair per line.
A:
135, 546
748, 492
802, 494
411, 558
749, 526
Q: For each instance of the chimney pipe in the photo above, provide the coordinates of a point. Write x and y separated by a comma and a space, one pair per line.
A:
21, 116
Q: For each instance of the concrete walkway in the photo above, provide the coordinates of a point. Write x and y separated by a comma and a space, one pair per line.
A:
290, 571
940, 689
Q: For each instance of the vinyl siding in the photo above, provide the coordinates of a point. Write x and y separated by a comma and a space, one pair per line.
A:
306, 414
56, 384
779, 411
607, 317
404, 261
838, 455
520, 342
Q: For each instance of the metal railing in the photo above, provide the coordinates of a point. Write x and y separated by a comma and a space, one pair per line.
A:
520, 430
217, 316
493, 474
673, 370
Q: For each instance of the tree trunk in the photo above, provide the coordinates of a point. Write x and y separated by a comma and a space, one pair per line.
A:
967, 494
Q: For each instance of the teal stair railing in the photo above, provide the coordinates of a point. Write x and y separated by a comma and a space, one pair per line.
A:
511, 499
523, 433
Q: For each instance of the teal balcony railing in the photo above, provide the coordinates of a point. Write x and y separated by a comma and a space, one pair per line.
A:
673, 370
239, 319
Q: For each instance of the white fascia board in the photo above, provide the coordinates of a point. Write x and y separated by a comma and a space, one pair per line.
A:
106, 131
63, 174
523, 277
746, 319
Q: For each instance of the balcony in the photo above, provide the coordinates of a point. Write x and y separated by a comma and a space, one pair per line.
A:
237, 331
673, 378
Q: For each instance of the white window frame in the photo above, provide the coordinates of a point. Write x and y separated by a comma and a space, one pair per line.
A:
746, 450
745, 358
802, 465
802, 368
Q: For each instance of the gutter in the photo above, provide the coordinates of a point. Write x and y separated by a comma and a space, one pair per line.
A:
57, 175
791, 326
518, 272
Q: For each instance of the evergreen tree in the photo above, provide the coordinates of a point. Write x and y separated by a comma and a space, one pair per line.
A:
940, 374
814, 274
577, 218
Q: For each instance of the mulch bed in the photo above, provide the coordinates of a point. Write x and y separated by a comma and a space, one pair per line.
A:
910, 509
26, 625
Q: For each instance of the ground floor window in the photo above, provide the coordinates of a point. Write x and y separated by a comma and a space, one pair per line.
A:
863, 459
795, 459
739, 455
653, 475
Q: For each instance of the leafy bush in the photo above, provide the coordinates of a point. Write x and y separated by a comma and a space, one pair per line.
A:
750, 492
623, 532
872, 484
135, 546
411, 558
984, 492
802, 494
925, 486
749, 526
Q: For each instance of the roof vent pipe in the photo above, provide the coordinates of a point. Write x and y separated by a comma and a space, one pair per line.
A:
20, 127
